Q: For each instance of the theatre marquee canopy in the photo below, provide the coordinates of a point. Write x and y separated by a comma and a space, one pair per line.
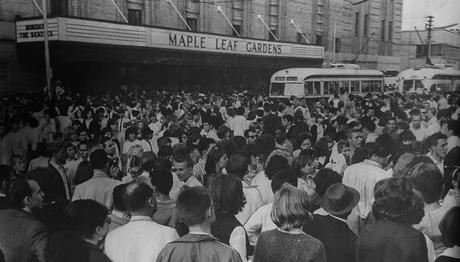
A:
98, 32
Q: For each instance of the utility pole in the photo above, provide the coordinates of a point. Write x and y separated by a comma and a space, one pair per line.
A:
49, 87
429, 28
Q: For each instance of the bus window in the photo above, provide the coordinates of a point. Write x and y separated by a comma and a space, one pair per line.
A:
418, 85
326, 87
277, 89
365, 87
317, 88
433, 88
354, 87
343, 87
407, 85
312, 88
375, 86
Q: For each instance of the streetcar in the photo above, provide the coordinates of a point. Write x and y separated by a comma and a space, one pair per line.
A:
429, 78
325, 82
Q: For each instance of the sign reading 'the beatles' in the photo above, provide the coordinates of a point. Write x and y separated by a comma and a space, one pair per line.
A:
97, 32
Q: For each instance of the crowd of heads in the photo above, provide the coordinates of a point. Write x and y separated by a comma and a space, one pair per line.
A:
223, 142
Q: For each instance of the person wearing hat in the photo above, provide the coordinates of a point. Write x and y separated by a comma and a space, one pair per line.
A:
329, 223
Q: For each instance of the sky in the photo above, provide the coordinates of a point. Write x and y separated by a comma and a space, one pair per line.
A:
445, 12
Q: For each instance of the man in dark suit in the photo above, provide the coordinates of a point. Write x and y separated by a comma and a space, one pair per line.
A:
271, 121
329, 224
23, 238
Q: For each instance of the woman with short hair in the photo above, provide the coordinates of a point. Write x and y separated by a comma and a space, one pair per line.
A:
392, 238
288, 242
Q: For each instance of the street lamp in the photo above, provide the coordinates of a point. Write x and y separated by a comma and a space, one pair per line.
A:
335, 25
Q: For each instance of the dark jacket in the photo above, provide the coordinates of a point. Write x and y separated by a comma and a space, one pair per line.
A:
22, 237
223, 227
271, 123
390, 241
199, 248
4, 203
96, 254
337, 238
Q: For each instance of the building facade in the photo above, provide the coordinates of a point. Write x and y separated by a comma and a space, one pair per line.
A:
92, 46
445, 48
367, 33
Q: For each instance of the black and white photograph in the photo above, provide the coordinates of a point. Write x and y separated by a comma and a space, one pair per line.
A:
229, 130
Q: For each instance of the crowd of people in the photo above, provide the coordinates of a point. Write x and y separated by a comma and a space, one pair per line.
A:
149, 175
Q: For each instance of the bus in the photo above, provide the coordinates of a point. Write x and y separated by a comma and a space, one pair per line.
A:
428, 78
324, 82
390, 77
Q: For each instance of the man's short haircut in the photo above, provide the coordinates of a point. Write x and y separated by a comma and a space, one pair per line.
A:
284, 176
324, 178
137, 195
118, 201
130, 130
427, 179
350, 131
98, 159
238, 165
182, 159
85, 215
246, 132
204, 143
454, 125
406, 135
433, 139
162, 179
17, 190
275, 164
192, 205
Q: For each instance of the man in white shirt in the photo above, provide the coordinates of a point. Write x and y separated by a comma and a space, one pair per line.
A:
239, 123
183, 168
100, 187
364, 175
141, 239
208, 131
432, 122
438, 150
416, 127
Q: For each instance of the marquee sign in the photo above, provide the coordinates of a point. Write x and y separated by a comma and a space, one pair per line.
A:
88, 31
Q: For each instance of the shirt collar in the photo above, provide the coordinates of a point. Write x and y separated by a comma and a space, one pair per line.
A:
99, 173
434, 159
120, 214
372, 163
140, 218
452, 252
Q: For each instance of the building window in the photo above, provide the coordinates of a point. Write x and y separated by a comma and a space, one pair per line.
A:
383, 30
59, 7
273, 33
238, 29
337, 45
421, 51
274, 18
301, 38
366, 25
390, 30
357, 24
192, 22
238, 10
319, 39
134, 16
